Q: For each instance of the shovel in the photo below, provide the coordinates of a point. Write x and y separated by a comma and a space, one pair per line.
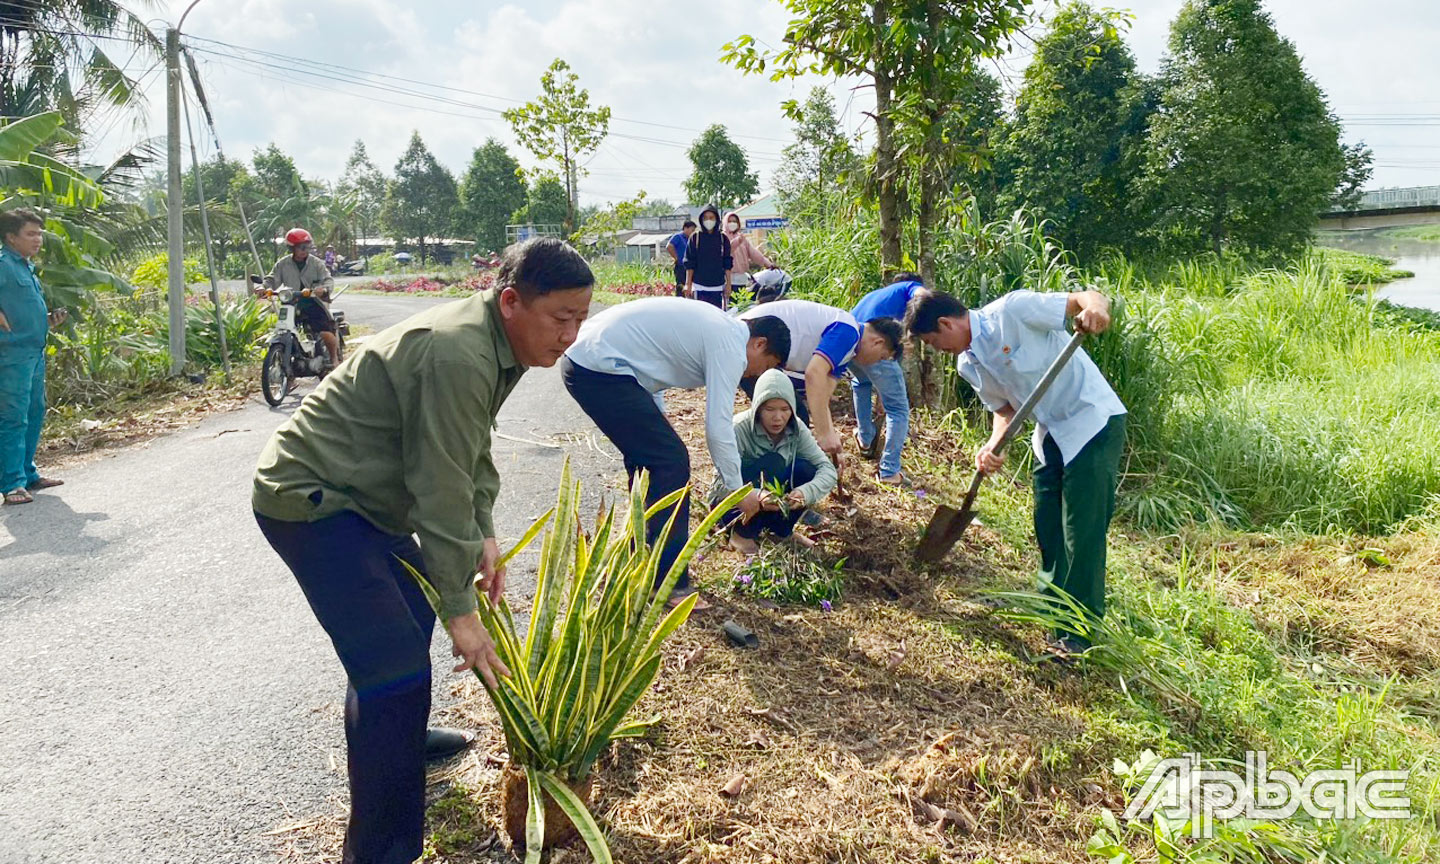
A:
948, 524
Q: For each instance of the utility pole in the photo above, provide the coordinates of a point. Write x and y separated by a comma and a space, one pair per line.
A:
174, 202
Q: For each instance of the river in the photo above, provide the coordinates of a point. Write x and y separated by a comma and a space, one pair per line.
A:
1419, 257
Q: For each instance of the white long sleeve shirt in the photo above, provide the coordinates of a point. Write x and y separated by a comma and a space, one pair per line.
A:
665, 342
1013, 340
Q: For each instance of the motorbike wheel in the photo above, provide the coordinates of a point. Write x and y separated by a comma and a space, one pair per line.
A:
277, 379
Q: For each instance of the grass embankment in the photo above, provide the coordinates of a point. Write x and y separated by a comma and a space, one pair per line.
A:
1272, 587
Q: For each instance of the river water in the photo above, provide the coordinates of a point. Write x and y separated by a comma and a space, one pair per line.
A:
1417, 256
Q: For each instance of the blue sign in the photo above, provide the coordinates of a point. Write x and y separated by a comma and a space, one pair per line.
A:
776, 222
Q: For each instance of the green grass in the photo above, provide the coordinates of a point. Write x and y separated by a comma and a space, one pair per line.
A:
1178, 668
1426, 233
1356, 268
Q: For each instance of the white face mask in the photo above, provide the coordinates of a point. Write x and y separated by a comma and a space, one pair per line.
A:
733, 227
709, 224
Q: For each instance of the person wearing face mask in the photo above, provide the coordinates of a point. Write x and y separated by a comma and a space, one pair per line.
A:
745, 255
708, 260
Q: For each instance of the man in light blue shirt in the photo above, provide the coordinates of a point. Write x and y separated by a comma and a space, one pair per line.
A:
1004, 350
628, 355
25, 323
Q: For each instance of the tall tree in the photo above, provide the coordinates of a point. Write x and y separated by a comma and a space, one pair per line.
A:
489, 193
720, 174
545, 202
1244, 153
420, 202
820, 161
275, 194
560, 127
363, 185
912, 51
1072, 152
1359, 165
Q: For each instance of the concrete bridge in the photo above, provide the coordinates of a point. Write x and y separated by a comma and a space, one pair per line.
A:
1388, 208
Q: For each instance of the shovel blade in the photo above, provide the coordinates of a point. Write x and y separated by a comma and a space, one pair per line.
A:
946, 527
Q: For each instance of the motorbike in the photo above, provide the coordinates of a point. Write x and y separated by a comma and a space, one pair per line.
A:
292, 351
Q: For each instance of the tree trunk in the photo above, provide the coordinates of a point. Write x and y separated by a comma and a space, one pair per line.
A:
886, 160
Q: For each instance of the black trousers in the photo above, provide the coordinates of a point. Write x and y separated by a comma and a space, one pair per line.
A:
380, 625
679, 279
627, 414
771, 468
802, 408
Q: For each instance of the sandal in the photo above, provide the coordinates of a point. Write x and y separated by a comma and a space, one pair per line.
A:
869, 452
44, 483
678, 596
19, 495
898, 480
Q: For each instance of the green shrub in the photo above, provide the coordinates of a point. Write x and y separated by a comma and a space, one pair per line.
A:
154, 273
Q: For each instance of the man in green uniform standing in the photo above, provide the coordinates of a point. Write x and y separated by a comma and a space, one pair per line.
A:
25, 324
397, 442
1003, 351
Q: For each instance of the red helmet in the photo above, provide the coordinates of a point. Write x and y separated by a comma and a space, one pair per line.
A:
296, 236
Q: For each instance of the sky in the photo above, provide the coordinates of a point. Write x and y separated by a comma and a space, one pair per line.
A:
656, 64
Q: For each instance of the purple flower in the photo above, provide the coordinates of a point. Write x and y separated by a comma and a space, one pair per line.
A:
919, 493
746, 579
825, 604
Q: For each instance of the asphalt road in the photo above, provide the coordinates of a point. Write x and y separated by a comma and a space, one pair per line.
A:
165, 694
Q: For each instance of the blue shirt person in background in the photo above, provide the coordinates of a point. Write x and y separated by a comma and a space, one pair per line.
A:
25, 323
1003, 351
676, 247
885, 377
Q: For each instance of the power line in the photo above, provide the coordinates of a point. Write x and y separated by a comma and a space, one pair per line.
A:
226, 59
350, 69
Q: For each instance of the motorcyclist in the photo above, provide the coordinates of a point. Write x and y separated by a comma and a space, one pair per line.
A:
300, 270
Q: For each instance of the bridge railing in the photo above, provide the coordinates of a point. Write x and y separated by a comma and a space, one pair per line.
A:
1386, 199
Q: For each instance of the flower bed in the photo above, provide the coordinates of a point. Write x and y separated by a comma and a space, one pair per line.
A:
643, 289
426, 285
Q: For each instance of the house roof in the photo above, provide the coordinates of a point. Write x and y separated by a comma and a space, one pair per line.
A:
650, 239
764, 207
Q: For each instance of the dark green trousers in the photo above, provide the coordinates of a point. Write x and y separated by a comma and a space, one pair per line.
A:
1073, 507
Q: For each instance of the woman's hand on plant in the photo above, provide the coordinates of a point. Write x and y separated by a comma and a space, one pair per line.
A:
795, 499
472, 643
769, 501
492, 578
750, 505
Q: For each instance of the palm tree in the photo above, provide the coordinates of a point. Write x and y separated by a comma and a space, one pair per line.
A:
60, 55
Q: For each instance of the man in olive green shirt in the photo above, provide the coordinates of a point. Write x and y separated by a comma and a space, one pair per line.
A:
396, 442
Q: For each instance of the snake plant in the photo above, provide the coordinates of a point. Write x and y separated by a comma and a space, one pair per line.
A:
592, 648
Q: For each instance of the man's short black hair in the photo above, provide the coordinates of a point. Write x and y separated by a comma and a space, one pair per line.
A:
775, 334
906, 276
689, 223
11, 221
891, 331
926, 309
541, 265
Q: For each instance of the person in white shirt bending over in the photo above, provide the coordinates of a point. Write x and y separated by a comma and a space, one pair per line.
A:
628, 355
1004, 350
